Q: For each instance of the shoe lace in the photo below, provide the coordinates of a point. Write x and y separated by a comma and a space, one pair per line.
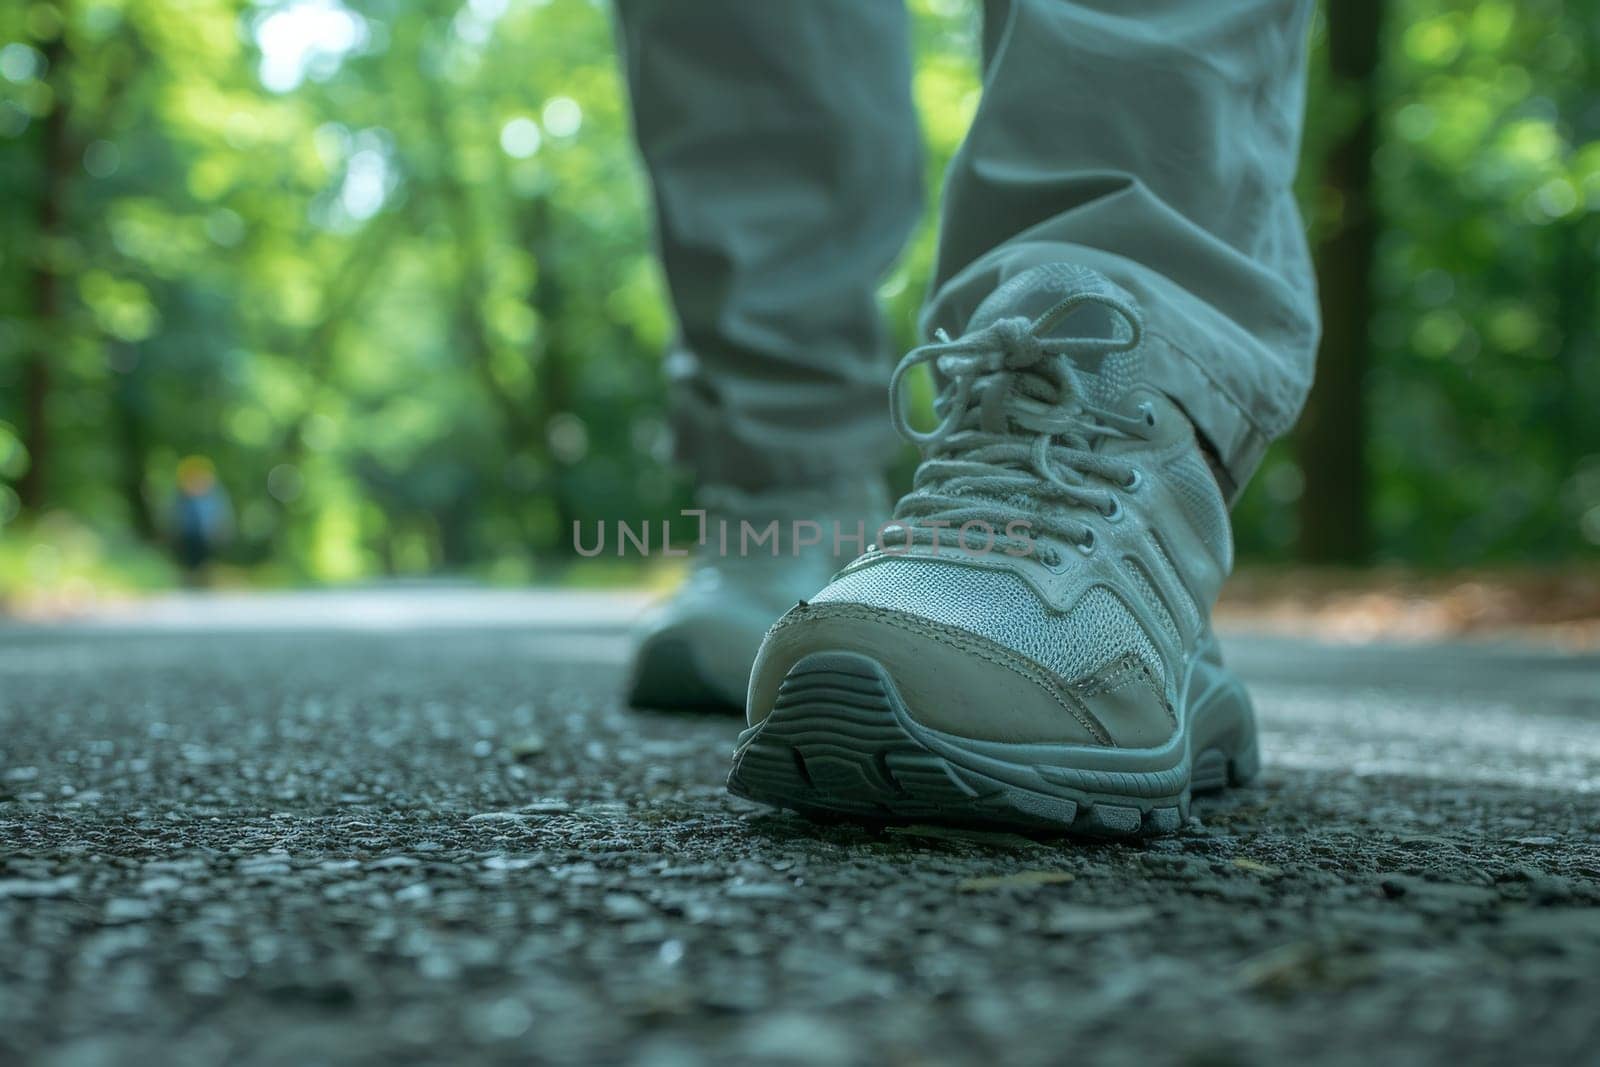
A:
1015, 440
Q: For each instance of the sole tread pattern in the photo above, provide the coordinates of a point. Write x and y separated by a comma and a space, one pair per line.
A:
836, 744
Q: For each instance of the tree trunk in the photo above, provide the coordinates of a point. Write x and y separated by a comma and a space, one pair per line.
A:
555, 391
1575, 279
45, 285
130, 409
1331, 441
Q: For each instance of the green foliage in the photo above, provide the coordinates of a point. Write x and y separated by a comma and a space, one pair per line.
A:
391, 273
1485, 381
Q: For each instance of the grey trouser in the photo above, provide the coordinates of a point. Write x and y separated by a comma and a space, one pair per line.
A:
1154, 140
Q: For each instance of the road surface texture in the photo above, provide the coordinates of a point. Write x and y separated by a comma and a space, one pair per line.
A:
414, 826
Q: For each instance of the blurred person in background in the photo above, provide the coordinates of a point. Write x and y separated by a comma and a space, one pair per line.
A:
202, 519
1123, 316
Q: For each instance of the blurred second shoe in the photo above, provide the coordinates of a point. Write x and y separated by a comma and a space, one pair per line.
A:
759, 554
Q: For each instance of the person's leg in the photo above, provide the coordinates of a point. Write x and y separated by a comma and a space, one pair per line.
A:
1123, 288
1156, 142
783, 149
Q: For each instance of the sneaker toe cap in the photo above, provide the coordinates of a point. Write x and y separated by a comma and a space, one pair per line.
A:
964, 684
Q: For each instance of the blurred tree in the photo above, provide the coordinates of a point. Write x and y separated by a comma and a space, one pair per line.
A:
1332, 435
52, 173
387, 267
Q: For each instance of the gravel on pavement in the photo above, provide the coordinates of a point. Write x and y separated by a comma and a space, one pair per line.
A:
402, 826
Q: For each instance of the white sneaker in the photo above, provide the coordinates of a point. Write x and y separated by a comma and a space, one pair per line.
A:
1065, 678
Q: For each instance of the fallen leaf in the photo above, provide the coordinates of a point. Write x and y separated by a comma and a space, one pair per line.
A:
1081, 920
1245, 864
1280, 968
1019, 880
525, 748
498, 816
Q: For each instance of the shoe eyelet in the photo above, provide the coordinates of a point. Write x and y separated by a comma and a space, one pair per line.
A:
1135, 480
1114, 513
1087, 545
1149, 414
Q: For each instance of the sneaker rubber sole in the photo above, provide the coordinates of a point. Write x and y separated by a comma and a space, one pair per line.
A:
840, 742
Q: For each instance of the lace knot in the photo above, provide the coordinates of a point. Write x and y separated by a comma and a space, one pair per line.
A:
1016, 345
1016, 438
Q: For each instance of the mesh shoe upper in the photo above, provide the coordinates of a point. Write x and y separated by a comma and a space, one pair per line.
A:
1103, 599
1005, 609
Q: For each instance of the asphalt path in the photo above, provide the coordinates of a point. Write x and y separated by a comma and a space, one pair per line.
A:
418, 825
